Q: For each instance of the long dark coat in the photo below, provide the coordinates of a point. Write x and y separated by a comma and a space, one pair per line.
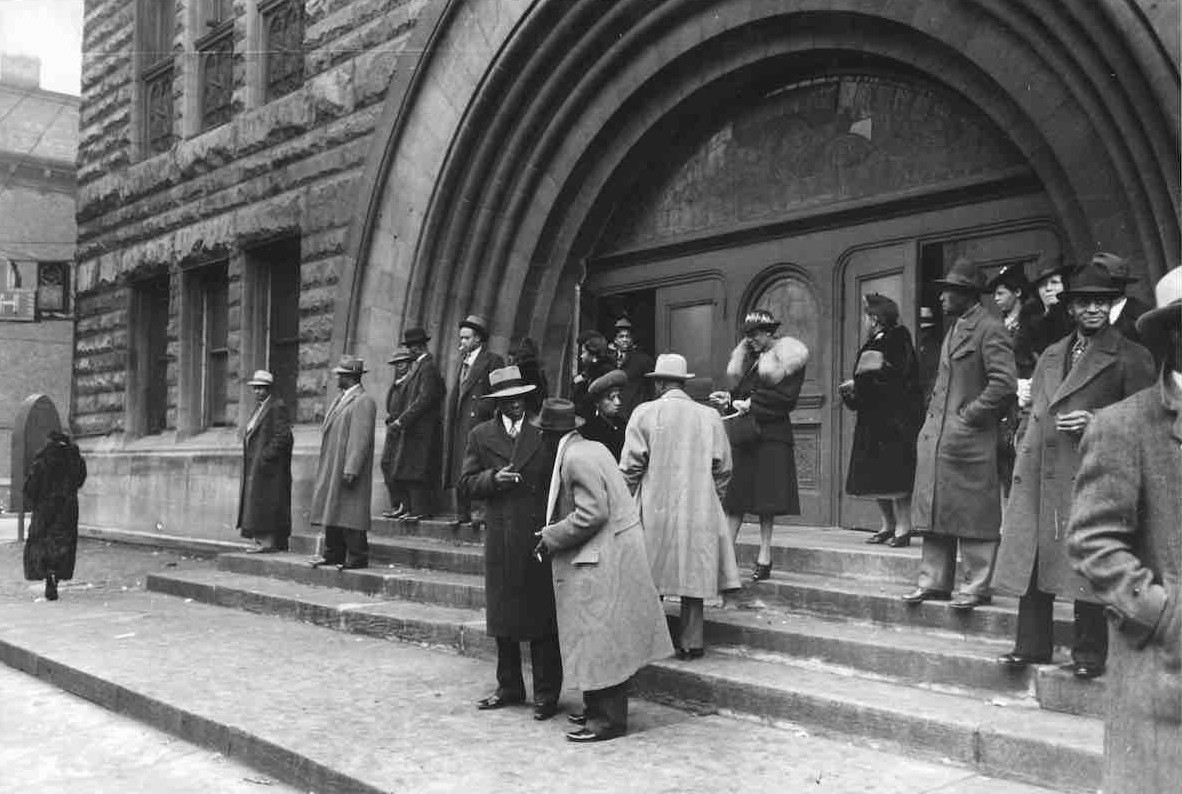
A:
635, 364
346, 447
51, 491
519, 593
1126, 540
610, 434
264, 497
610, 620
414, 453
1111, 369
584, 405
889, 403
957, 492
467, 409
1043, 330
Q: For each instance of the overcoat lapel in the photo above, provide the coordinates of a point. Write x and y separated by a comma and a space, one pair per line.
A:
963, 330
1099, 356
259, 420
1053, 368
476, 372
340, 404
529, 440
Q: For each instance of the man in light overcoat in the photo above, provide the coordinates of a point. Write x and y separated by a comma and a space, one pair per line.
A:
610, 620
465, 408
1125, 539
677, 462
956, 501
344, 473
264, 498
412, 455
1093, 367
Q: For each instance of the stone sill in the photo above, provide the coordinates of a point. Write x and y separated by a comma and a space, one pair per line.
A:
214, 441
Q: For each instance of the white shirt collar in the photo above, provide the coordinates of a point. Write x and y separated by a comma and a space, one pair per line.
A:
471, 357
511, 427
422, 356
1117, 308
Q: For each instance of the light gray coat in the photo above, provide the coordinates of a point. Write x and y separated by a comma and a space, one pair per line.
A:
346, 447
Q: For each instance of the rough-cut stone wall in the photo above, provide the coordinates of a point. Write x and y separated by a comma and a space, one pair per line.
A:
289, 166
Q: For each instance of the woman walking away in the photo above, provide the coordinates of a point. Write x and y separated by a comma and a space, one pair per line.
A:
767, 372
51, 489
886, 394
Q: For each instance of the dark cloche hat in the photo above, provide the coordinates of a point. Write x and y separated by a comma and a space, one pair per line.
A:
557, 416
1049, 265
964, 275
1011, 276
759, 320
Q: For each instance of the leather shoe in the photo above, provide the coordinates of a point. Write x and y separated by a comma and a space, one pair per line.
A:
546, 710
320, 562
352, 566
576, 719
685, 654
965, 602
1085, 671
584, 736
495, 701
881, 536
1017, 661
899, 541
921, 594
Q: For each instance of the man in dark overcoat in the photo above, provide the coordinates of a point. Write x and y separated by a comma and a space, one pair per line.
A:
956, 502
1125, 308
411, 457
1125, 539
508, 466
635, 364
1093, 367
343, 487
264, 498
465, 408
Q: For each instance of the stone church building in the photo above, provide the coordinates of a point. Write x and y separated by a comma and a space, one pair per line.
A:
270, 183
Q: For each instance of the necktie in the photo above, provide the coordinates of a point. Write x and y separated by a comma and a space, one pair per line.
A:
1077, 350
464, 371
513, 430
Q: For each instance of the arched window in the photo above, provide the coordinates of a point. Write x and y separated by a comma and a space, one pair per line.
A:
790, 298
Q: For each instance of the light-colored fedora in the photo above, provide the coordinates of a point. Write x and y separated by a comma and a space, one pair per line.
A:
261, 378
507, 382
670, 366
477, 322
350, 365
1155, 324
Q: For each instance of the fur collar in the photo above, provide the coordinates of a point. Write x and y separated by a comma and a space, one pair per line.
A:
786, 356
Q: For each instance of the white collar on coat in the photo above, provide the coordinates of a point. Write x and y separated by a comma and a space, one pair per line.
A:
556, 475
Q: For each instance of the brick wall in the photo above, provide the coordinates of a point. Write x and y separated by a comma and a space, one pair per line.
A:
289, 166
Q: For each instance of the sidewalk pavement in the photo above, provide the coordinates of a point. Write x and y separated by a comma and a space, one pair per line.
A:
328, 711
54, 741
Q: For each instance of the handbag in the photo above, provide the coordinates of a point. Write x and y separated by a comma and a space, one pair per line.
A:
741, 429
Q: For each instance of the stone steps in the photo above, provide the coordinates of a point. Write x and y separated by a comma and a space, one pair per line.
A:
819, 673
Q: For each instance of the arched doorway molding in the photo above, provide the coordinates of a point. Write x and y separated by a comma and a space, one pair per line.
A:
576, 97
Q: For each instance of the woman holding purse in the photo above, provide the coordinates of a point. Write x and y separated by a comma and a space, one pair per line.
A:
766, 372
886, 396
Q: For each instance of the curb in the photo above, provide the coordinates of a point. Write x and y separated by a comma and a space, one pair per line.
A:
181, 543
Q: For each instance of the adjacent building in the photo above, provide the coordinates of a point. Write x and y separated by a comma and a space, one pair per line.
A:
38, 143
269, 183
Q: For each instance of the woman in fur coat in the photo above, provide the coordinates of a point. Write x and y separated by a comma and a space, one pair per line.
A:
766, 372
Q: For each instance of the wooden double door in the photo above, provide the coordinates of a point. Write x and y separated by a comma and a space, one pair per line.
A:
814, 283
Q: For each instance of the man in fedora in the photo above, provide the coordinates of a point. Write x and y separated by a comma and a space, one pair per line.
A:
610, 620
343, 487
411, 457
677, 463
466, 409
1125, 309
1091, 368
607, 424
507, 467
264, 498
956, 501
1125, 539
634, 363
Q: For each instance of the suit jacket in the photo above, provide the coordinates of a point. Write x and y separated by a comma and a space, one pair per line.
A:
1126, 540
956, 453
346, 447
264, 496
1111, 369
467, 409
635, 364
610, 619
414, 452
1126, 321
518, 591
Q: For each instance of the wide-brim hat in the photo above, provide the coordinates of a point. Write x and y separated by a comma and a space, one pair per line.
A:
1117, 266
350, 365
557, 416
1049, 265
507, 382
477, 322
670, 366
1092, 280
401, 354
1153, 326
616, 379
261, 378
964, 275
415, 336
760, 320
1012, 276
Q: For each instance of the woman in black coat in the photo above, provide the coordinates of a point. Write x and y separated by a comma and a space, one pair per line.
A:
51, 490
767, 372
888, 398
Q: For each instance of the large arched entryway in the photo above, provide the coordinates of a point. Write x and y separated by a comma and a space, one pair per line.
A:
577, 158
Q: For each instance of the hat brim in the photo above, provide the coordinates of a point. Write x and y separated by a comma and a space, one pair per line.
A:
405, 360
669, 376
960, 285
409, 342
339, 371
253, 382
511, 391
1154, 325
1094, 292
474, 327
536, 421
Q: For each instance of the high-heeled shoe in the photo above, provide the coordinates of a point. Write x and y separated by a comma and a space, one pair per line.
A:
760, 572
51, 587
881, 536
899, 541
